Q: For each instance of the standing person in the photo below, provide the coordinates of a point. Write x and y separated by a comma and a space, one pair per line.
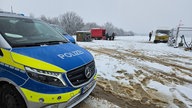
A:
150, 35
113, 36
107, 36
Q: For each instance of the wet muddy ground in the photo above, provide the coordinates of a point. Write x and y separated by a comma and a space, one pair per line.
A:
136, 94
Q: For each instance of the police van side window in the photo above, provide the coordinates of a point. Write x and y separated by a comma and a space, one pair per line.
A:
1, 53
3, 27
3, 42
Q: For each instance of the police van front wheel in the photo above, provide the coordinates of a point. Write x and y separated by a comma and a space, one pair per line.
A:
10, 97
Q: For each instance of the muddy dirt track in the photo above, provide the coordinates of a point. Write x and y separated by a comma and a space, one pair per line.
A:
137, 94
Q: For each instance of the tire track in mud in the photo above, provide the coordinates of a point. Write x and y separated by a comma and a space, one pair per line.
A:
176, 59
153, 59
119, 100
120, 55
138, 94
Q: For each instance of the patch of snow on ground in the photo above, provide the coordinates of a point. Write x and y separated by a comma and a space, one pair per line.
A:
98, 103
160, 87
108, 67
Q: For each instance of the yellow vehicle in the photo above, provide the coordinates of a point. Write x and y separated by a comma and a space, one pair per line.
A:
162, 35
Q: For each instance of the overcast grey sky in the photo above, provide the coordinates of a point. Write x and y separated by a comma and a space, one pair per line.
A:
140, 16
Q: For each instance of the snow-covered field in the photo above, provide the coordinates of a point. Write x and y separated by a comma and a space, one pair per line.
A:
139, 73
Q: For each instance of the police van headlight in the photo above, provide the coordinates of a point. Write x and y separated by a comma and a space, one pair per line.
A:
47, 77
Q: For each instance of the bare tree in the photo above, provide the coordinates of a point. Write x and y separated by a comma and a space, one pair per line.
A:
89, 26
44, 18
53, 20
130, 33
119, 32
71, 22
109, 28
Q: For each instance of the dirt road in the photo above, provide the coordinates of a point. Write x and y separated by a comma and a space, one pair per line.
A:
138, 94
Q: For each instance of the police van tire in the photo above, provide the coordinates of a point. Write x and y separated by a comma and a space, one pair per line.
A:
10, 97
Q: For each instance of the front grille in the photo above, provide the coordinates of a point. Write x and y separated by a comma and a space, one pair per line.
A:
78, 77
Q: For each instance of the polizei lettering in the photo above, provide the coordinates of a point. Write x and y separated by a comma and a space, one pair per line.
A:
70, 54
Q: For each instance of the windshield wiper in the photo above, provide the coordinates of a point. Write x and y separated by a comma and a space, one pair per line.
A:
25, 45
40, 44
50, 42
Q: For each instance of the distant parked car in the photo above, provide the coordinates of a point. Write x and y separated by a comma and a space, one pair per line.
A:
162, 35
62, 31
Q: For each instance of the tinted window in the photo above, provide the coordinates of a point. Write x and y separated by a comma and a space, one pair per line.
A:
23, 31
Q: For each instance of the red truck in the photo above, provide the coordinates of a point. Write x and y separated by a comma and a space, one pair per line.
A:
98, 33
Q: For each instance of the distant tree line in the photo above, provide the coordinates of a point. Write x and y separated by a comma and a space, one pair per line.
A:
71, 22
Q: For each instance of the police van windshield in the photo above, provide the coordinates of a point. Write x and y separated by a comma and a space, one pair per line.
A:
20, 32
59, 29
